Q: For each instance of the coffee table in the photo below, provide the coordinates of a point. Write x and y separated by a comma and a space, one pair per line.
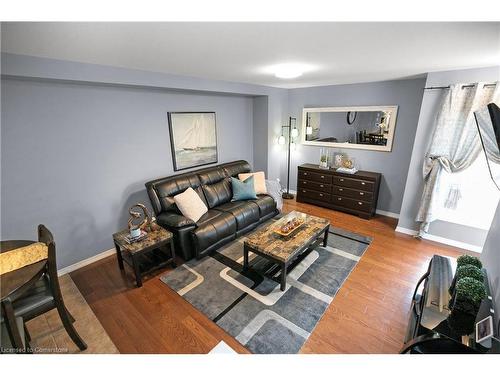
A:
283, 250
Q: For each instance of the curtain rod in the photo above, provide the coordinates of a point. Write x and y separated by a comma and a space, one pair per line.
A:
464, 86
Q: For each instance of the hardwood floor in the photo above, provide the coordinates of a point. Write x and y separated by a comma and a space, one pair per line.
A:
368, 315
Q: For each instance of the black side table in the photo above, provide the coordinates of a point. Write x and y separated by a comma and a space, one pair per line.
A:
148, 250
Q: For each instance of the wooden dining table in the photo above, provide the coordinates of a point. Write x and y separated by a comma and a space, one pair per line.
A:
13, 284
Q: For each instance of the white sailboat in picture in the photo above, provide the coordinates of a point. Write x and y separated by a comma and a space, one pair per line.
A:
194, 138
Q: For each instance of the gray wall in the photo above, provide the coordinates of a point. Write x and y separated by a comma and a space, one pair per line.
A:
407, 94
260, 123
414, 182
106, 135
491, 261
76, 156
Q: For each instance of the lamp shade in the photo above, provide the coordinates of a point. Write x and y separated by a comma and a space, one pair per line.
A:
309, 130
295, 133
281, 140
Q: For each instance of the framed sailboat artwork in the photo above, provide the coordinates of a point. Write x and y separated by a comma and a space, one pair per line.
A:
193, 139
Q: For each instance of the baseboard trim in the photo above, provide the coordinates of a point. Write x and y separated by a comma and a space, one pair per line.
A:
411, 232
387, 213
443, 240
86, 262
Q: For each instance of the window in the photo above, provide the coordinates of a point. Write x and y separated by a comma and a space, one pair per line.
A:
474, 192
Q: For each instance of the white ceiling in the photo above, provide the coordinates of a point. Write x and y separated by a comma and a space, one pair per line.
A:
243, 52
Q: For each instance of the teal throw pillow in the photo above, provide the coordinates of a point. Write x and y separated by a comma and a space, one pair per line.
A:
243, 190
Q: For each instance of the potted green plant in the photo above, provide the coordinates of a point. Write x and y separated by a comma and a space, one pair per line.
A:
465, 304
462, 260
467, 270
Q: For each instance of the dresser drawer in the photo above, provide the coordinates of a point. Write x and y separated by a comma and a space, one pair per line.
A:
353, 204
351, 193
314, 176
316, 195
354, 183
318, 186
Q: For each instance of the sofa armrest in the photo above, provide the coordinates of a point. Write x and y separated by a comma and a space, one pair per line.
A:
174, 220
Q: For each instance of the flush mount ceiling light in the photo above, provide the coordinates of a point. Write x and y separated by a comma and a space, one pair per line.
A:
289, 70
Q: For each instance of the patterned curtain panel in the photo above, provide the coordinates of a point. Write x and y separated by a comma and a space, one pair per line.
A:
455, 143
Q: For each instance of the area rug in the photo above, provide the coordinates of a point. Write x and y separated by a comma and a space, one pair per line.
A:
251, 307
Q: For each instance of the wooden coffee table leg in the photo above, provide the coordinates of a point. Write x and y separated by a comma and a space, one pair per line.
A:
137, 271
325, 239
119, 256
283, 277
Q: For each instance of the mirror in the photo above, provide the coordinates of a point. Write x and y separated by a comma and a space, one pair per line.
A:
488, 124
368, 128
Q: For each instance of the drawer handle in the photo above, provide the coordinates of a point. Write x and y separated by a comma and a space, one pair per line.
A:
320, 194
322, 176
321, 186
303, 191
361, 193
339, 199
341, 189
341, 180
304, 182
363, 183
305, 173
360, 203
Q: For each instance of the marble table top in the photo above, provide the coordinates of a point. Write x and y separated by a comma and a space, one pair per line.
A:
153, 239
280, 247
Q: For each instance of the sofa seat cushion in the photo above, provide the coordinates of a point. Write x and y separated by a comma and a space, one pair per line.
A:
212, 227
266, 204
245, 212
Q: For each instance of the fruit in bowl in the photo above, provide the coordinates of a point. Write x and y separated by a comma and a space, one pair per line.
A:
291, 225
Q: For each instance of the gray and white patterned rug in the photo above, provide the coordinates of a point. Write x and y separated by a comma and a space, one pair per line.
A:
252, 308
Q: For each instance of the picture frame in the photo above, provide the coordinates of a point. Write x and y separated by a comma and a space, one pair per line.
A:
484, 329
193, 139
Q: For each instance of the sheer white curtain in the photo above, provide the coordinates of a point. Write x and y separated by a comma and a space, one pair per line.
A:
455, 143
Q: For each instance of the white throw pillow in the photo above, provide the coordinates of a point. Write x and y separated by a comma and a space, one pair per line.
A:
190, 204
259, 181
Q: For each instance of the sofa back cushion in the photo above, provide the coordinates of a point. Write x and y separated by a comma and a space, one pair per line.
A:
234, 168
212, 176
218, 193
161, 192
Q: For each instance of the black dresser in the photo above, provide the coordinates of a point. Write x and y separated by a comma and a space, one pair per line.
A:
352, 193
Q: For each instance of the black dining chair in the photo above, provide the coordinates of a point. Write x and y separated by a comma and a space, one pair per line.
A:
46, 295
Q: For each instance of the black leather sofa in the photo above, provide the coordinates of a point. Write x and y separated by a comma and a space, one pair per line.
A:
224, 221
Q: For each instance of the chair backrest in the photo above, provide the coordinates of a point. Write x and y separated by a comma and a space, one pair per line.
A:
46, 237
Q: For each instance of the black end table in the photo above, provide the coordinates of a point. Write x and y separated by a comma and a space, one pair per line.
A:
148, 250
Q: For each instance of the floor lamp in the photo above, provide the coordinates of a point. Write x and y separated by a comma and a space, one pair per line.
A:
293, 133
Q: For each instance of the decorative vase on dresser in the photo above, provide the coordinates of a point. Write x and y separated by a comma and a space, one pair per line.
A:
352, 193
